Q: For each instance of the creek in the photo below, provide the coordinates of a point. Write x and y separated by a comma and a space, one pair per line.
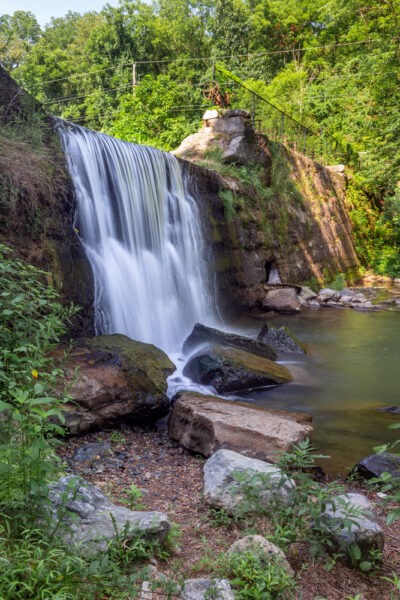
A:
352, 369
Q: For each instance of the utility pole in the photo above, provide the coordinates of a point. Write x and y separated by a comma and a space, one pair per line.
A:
133, 76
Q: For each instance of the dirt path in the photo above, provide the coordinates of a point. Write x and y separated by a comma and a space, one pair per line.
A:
171, 480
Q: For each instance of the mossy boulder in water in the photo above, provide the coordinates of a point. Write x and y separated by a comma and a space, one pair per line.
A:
118, 379
281, 339
234, 370
201, 334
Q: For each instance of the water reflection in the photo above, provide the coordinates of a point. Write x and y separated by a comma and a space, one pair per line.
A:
353, 368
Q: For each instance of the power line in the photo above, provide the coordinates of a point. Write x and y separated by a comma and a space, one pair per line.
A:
178, 60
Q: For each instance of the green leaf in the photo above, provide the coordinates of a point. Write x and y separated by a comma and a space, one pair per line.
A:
393, 516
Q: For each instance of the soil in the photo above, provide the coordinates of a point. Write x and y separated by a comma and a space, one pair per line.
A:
171, 480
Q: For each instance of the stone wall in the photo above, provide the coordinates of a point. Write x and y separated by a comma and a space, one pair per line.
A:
301, 227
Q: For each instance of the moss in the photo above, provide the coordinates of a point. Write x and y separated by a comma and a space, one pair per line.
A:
251, 362
143, 362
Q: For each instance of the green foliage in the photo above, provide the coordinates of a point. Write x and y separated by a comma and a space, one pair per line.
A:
257, 575
302, 519
32, 321
390, 484
149, 115
134, 495
220, 518
339, 283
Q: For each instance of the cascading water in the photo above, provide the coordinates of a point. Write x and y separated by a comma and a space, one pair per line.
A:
143, 238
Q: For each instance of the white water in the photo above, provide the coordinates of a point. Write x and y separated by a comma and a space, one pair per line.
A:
142, 235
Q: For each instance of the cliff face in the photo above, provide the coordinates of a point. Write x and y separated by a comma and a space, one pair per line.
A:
272, 208
37, 201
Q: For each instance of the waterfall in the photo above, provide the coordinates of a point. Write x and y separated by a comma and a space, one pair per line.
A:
142, 235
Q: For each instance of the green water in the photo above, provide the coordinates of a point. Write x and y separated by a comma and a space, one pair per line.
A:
353, 368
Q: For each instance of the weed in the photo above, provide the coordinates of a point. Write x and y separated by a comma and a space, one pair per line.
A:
134, 495
117, 438
220, 518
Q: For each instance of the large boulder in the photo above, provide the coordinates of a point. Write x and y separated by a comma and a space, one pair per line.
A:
282, 300
233, 370
376, 464
364, 531
204, 424
328, 295
95, 520
202, 334
223, 490
117, 379
281, 339
257, 543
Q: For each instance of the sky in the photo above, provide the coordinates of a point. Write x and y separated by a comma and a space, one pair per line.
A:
45, 9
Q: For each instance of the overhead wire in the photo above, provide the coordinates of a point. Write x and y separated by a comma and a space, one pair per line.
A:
205, 58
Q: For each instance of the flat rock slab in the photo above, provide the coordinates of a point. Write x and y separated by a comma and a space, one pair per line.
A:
233, 370
365, 532
202, 334
97, 518
220, 481
205, 424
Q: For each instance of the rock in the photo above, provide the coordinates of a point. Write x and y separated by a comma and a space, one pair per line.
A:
258, 542
390, 409
340, 169
365, 532
313, 304
307, 294
95, 515
237, 151
284, 300
201, 589
376, 464
326, 294
233, 370
219, 481
350, 297
89, 451
274, 276
205, 424
118, 379
210, 114
201, 334
236, 112
282, 339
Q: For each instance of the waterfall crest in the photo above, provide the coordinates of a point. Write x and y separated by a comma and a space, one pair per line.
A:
142, 235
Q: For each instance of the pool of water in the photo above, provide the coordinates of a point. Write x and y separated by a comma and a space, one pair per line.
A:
353, 368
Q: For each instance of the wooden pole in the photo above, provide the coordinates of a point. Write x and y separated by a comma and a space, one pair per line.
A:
133, 76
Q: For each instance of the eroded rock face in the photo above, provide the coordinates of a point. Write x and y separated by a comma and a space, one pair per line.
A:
201, 334
205, 424
365, 532
283, 300
233, 370
97, 518
281, 339
118, 379
254, 543
220, 481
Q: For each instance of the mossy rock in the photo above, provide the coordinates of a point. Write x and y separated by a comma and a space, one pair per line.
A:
234, 370
118, 380
140, 361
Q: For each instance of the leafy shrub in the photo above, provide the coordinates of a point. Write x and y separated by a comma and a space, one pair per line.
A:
391, 484
256, 575
339, 283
